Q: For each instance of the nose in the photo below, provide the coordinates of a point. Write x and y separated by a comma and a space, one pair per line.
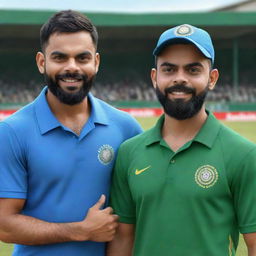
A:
180, 77
71, 66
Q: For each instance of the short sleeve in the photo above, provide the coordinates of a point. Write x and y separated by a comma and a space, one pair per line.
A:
244, 193
120, 197
13, 174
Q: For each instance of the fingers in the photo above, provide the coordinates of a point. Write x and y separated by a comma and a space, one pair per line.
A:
108, 210
113, 221
112, 231
113, 217
116, 217
113, 226
100, 203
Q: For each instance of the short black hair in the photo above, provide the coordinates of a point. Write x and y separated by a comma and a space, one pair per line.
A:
67, 21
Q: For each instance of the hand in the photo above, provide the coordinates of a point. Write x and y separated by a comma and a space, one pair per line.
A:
100, 224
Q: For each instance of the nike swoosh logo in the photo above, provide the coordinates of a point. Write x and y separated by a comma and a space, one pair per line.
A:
142, 170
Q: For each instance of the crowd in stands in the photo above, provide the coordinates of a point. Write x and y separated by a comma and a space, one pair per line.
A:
124, 91
227, 93
20, 92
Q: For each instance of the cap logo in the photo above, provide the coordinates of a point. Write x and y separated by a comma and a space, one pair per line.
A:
184, 30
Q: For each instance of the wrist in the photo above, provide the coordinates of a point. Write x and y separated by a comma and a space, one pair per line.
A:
78, 231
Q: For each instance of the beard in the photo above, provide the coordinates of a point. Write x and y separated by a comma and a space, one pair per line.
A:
69, 98
181, 109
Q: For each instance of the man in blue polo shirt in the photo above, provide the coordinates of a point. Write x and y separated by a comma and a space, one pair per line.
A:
57, 153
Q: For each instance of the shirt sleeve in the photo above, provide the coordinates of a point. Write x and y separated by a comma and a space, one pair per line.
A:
13, 174
244, 193
136, 129
120, 197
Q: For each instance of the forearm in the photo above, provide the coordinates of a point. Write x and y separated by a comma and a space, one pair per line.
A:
250, 240
27, 230
122, 244
99, 225
252, 251
120, 247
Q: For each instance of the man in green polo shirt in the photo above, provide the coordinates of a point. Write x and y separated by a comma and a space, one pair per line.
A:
188, 185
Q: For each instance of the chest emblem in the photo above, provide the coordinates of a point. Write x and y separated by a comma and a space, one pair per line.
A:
206, 176
105, 154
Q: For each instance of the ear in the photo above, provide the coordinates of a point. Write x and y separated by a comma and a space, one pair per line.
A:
40, 61
153, 77
214, 75
97, 61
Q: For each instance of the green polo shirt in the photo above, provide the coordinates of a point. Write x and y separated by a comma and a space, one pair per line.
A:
190, 202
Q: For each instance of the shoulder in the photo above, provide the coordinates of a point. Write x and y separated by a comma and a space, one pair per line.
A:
114, 112
21, 119
136, 144
119, 118
230, 137
15, 130
235, 147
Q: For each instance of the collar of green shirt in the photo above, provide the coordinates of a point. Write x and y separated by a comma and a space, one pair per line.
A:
205, 136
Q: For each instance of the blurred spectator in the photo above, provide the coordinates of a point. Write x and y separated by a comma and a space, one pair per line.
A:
17, 92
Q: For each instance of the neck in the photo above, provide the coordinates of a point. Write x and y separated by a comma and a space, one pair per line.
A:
177, 132
64, 110
73, 117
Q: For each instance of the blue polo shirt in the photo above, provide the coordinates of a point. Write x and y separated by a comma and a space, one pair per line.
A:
59, 174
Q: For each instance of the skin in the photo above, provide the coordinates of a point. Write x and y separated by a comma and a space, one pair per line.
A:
62, 56
122, 244
65, 52
183, 64
177, 64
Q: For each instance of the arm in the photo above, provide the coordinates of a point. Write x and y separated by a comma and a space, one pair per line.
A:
99, 225
250, 240
122, 244
243, 187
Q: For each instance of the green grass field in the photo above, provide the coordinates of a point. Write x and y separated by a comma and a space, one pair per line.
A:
247, 129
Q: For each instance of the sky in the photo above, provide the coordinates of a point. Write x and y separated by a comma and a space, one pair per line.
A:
126, 6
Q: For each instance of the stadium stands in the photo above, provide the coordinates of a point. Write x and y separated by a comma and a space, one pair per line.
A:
126, 90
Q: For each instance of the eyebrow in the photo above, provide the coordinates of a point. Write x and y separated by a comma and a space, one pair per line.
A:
58, 53
190, 65
167, 64
85, 53
194, 64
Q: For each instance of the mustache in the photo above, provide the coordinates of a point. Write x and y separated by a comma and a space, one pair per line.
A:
76, 76
180, 88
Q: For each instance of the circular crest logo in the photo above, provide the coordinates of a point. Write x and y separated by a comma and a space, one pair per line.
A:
184, 30
105, 154
206, 176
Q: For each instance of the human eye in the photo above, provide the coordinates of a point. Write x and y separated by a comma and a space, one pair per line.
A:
83, 58
58, 57
194, 70
168, 69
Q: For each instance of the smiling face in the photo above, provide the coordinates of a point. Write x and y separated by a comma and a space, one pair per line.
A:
182, 79
69, 63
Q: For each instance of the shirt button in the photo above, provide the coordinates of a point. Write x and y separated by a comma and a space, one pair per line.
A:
172, 161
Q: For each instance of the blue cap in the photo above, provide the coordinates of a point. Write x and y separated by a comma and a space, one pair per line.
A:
186, 33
